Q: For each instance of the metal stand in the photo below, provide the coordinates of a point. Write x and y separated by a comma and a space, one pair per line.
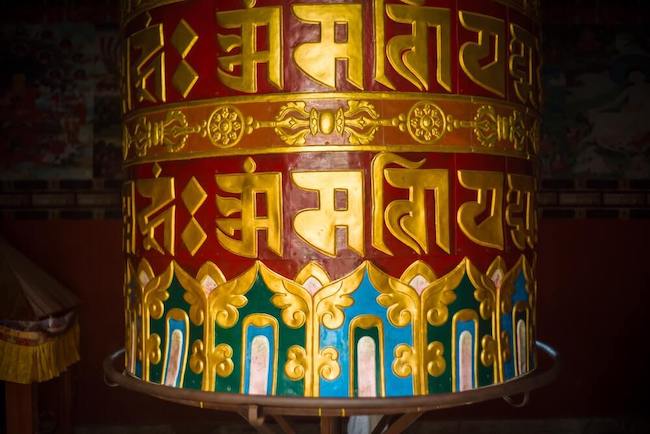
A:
398, 413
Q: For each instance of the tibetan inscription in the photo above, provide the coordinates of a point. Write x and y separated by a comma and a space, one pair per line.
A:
269, 46
394, 206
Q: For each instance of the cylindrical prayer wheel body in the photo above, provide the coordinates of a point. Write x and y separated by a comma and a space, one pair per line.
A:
330, 199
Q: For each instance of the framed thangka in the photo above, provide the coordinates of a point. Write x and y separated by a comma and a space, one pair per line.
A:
47, 100
597, 88
594, 151
60, 150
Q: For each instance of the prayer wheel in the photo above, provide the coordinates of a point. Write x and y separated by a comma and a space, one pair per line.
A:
330, 199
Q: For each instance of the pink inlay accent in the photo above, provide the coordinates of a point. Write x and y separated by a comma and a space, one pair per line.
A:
465, 361
366, 370
144, 278
497, 278
521, 347
174, 360
258, 382
208, 284
418, 283
312, 285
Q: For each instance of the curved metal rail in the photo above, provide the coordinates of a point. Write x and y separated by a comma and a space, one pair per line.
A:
398, 413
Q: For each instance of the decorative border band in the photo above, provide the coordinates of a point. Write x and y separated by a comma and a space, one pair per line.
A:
198, 331
376, 123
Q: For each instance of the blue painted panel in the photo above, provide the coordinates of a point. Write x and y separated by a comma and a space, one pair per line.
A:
519, 294
365, 302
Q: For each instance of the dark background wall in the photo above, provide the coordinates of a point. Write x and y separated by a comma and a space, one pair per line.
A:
594, 272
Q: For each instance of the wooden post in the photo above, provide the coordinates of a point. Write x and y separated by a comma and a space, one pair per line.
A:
65, 405
22, 408
330, 425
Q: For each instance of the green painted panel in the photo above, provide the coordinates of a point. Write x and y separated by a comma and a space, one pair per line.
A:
176, 300
464, 300
259, 301
441, 333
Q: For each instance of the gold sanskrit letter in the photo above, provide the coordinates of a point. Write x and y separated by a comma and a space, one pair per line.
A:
523, 47
380, 44
248, 20
520, 216
146, 43
489, 232
317, 226
161, 193
409, 53
249, 185
491, 75
128, 217
318, 59
406, 219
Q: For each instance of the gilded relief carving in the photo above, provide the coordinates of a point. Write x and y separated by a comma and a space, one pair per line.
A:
405, 219
215, 304
183, 39
248, 186
435, 361
297, 363
315, 187
356, 123
329, 367
247, 21
405, 361
318, 226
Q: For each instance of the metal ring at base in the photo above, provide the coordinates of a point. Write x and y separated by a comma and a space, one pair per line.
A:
302, 406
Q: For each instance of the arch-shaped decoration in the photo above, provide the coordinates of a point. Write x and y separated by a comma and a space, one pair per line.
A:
177, 338
370, 329
259, 354
272, 335
464, 350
